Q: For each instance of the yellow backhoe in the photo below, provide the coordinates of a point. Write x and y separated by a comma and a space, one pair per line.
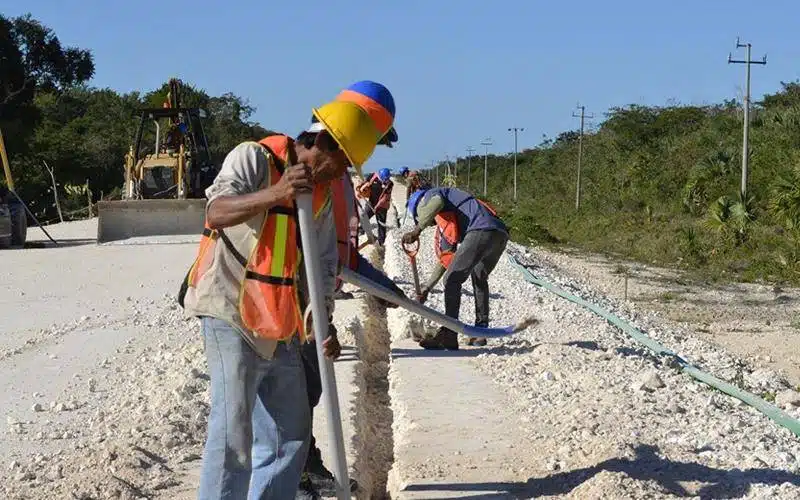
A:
167, 169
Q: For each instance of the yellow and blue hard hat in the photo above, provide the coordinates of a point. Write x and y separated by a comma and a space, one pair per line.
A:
351, 127
376, 100
359, 118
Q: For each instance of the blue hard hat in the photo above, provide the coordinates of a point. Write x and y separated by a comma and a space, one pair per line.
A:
403, 170
384, 174
413, 201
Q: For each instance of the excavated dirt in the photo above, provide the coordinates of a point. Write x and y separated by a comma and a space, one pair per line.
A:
373, 441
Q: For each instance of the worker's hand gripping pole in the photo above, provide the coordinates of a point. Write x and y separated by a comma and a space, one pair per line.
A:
311, 260
412, 250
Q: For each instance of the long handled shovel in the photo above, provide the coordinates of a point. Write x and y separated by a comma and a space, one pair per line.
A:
366, 225
396, 216
412, 251
415, 307
305, 216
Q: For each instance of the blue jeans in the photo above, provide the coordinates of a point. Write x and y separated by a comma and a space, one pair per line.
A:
259, 424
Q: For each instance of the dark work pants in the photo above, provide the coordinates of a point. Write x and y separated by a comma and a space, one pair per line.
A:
308, 353
475, 257
380, 215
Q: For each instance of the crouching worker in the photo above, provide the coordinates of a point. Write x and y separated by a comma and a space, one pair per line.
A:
246, 285
470, 239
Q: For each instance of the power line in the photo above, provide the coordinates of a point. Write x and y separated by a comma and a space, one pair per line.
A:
485, 143
515, 130
582, 115
745, 139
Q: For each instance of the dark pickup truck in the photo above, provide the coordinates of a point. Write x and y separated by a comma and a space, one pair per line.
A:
13, 221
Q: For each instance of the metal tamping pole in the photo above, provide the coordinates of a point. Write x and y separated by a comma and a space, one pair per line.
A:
308, 235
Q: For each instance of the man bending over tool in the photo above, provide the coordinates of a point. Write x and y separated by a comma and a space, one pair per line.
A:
246, 285
415, 183
470, 240
377, 191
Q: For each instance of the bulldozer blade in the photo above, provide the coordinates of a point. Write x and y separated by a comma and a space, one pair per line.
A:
150, 221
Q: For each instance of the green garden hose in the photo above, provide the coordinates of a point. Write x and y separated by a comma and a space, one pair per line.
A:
759, 404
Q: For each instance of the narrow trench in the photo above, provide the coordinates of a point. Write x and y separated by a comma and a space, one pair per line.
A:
373, 417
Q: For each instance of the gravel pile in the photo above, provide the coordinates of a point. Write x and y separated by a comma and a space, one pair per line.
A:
606, 417
123, 430
372, 412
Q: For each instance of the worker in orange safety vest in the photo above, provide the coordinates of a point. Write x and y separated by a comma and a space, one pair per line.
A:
317, 479
377, 191
469, 241
248, 287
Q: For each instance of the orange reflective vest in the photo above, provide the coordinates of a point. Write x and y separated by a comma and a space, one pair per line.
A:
269, 303
365, 191
448, 234
342, 214
365, 187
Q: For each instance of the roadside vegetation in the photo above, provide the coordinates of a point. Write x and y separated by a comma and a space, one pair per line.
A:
660, 185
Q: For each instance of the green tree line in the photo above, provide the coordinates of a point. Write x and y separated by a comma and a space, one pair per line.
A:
660, 184
49, 115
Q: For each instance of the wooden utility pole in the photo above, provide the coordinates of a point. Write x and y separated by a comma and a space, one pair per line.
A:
469, 164
515, 130
582, 115
745, 152
486, 143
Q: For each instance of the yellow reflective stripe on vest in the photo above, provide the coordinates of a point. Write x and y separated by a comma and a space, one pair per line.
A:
328, 201
279, 244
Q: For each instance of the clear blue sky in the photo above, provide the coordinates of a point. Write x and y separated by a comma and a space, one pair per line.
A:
459, 71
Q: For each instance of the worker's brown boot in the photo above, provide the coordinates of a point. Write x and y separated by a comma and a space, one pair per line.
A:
342, 295
444, 339
479, 341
